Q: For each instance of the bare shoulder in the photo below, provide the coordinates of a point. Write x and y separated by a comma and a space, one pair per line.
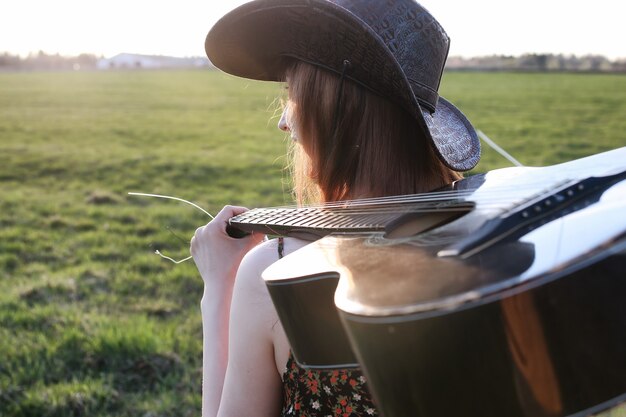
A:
254, 319
262, 256
251, 351
250, 289
255, 262
252, 313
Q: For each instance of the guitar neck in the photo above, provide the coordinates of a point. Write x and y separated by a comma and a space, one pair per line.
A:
315, 222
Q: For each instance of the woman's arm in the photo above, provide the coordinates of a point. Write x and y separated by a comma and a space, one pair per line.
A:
215, 308
253, 383
217, 257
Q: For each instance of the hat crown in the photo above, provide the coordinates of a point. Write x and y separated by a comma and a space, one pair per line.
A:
395, 48
414, 38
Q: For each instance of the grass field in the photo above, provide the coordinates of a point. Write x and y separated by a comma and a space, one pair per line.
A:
92, 323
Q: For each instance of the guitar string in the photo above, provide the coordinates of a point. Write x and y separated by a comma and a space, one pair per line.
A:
502, 193
333, 222
275, 217
372, 205
353, 211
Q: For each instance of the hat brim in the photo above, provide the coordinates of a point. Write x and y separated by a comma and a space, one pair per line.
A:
260, 39
454, 137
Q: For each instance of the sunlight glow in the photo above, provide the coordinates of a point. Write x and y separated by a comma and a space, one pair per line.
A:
479, 27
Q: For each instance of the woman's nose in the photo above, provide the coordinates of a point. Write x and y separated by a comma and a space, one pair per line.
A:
282, 123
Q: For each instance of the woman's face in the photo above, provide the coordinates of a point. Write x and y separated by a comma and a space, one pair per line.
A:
286, 122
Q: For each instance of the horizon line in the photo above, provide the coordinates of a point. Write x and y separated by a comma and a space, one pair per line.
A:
461, 56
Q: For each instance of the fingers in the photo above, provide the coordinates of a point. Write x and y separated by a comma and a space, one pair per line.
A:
218, 227
193, 244
229, 211
221, 219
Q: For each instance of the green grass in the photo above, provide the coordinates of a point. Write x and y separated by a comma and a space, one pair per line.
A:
92, 323
542, 119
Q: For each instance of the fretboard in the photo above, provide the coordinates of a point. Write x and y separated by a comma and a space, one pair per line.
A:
298, 221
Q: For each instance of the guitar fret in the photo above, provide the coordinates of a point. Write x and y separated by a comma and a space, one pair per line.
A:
330, 220
296, 221
319, 222
334, 219
285, 219
346, 221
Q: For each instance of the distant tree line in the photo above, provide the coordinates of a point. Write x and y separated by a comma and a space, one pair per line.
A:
48, 62
526, 62
538, 62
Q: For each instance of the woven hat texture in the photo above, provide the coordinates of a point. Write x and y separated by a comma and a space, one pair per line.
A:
396, 49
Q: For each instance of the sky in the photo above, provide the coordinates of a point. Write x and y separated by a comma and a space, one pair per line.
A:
178, 28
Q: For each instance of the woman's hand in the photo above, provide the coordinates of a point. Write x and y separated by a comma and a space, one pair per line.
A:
217, 257
216, 254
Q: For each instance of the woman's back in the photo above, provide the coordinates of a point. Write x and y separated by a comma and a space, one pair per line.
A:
366, 119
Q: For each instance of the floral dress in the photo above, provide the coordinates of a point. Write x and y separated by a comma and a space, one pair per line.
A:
327, 393
317, 393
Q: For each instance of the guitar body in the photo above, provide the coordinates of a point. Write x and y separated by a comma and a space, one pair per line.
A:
553, 350
493, 313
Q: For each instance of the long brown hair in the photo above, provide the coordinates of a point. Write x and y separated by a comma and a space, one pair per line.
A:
371, 148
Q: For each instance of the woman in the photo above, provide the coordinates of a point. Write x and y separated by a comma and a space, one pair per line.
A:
366, 121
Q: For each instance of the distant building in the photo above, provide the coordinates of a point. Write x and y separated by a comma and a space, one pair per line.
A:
137, 61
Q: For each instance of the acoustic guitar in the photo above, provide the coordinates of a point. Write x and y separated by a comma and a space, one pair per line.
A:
501, 295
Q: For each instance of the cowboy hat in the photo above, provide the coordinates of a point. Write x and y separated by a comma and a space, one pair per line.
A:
394, 48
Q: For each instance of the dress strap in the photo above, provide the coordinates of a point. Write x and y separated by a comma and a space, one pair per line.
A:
281, 247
